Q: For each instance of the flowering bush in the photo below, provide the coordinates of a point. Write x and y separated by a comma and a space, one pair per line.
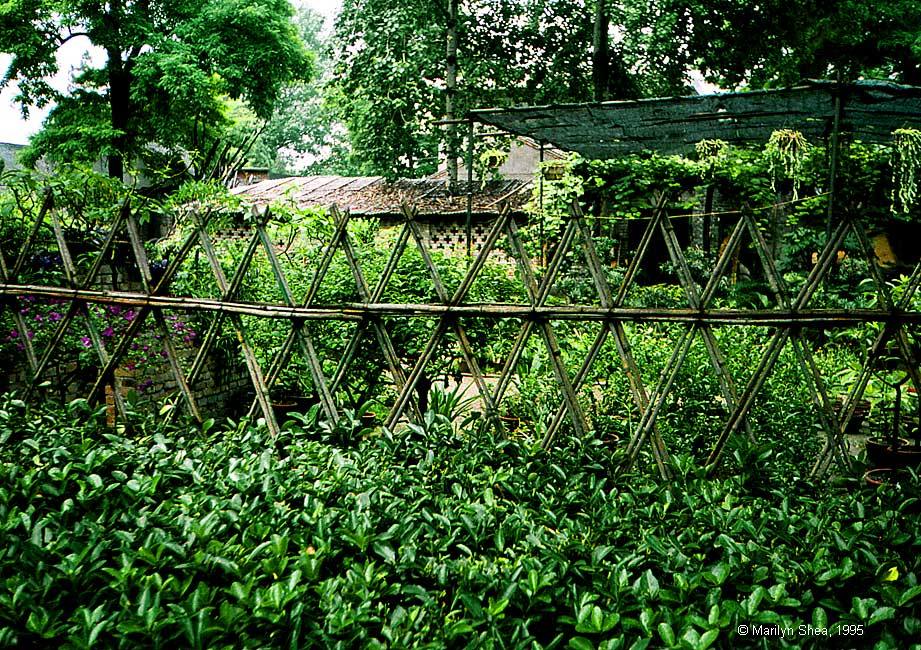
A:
42, 316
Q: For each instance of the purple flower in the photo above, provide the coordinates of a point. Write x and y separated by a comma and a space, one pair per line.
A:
30, 335
54, 316
29, 298
38, 318
20, 346
14, 334
129, 315
85, 340
146, 348
163, 353
115, 309
130, 365
108, 332
24, 310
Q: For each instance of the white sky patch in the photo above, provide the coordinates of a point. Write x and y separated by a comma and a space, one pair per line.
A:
17, 130
701, 85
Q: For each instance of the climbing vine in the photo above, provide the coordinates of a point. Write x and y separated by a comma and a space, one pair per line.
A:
709, 152
906, 169
488, 164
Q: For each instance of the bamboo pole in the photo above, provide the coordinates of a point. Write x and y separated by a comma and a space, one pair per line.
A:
782, 318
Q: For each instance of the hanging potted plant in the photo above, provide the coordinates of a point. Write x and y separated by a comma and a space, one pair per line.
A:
786, 151
709, 150
906, 169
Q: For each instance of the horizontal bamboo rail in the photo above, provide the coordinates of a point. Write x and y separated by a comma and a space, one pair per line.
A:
784, 318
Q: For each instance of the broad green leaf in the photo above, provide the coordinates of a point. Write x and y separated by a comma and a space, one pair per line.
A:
909, 594
881, 614
718, 573
667, 634
497, 607
385, 551
891, 575
707, 639
580, 643
819, 618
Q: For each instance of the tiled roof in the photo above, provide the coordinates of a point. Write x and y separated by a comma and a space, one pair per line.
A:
375, 195
8, 154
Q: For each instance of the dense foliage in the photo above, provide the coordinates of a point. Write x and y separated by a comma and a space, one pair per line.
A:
388, 78
338, 537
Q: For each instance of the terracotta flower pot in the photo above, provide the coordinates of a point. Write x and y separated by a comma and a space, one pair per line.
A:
612, 440
857, 419
283, 410
885, 476
882, 453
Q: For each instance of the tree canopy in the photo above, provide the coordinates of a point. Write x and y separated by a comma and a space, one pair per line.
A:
181, 75
302, 133
780, 42
389, 78
171, 69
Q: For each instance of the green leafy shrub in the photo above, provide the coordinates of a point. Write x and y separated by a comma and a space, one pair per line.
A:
223, 537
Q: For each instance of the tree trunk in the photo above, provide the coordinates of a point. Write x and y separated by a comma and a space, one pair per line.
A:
451, 94
600, 63
120, 111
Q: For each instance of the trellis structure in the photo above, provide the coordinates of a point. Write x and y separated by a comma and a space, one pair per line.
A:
790, 314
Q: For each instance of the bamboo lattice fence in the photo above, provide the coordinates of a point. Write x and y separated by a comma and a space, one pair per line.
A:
608, 315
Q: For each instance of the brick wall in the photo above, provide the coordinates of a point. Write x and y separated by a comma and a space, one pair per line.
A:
219, 390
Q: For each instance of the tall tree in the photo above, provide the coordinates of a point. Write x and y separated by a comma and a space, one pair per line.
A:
302, 129
170, 68
393, 75
389, 65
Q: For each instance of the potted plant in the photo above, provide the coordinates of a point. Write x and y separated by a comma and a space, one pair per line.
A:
293, 392
511, 412
891, 450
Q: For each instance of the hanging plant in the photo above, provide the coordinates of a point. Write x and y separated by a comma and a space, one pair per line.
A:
488, 164
906, 169
786, 150
707, 149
